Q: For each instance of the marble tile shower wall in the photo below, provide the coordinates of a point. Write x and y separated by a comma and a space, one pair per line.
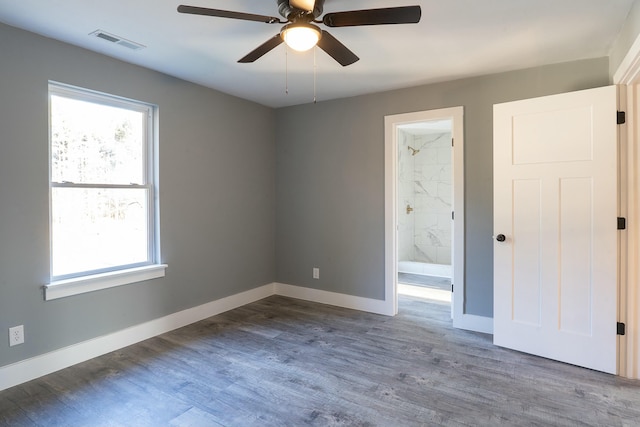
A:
406, 197
425, 185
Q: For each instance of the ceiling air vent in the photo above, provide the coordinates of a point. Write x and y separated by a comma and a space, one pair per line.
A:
117, 40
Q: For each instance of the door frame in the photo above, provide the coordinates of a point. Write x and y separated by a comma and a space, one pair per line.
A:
392, 122
627, 76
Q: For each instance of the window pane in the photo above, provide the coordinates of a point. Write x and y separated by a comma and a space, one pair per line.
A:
94, 143
96, 229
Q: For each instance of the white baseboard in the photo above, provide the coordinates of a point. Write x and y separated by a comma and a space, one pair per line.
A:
471, 322
29, 369
333, 298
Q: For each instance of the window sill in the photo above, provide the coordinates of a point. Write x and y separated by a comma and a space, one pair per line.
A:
96, 282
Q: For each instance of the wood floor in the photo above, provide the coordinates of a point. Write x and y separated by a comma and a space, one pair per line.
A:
285, 362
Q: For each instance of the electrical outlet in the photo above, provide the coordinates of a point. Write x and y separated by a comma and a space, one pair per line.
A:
316, 273
16, 335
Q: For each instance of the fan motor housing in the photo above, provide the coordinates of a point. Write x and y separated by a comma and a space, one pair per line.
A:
291, 13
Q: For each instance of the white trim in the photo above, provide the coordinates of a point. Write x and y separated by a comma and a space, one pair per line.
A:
96, 282
629, 295
391, 213
149, 175
44, 364
459, 280
333, 298
631, 287
471, 322
624, 191
456, 114
628, 73
629, 69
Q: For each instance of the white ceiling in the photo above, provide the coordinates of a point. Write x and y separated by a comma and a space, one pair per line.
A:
454, 39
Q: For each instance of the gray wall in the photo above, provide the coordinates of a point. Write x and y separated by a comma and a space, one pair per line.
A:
330, 177
217, 190
625, 39
224, 228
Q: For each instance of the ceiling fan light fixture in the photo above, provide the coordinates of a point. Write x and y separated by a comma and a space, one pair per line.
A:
301, 36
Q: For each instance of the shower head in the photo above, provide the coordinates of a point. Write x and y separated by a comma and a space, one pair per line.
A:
413, 150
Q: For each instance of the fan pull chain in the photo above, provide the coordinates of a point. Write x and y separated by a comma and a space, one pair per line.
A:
286, 70
315, 72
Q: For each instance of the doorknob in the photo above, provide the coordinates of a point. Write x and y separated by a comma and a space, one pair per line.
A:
501, 238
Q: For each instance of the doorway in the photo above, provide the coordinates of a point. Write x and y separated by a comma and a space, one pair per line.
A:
417, 137
425, 226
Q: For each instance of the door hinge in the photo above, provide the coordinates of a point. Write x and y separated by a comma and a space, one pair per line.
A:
453, 215
621, 118
452, 142
620, 328
452, 287
622, 223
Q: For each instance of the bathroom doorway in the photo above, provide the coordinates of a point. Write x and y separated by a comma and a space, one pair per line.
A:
424, 206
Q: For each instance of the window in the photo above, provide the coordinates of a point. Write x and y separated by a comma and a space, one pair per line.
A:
103, 193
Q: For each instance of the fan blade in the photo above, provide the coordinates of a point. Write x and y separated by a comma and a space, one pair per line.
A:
306, 5
262, 49
390, 15
193, 10
336, 50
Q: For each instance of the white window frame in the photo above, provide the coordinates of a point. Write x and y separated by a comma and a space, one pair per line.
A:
78, 283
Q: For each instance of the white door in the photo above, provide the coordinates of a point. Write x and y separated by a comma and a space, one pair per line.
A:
555, 204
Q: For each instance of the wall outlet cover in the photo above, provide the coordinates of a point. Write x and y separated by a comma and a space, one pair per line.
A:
16, 335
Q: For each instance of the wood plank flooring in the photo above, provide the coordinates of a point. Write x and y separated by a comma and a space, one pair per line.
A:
286, 362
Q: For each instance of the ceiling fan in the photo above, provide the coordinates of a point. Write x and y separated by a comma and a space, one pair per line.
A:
301, 34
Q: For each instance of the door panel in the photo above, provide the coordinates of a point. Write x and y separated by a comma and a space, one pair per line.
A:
575, 291
536, 136
526, 262
555, 200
